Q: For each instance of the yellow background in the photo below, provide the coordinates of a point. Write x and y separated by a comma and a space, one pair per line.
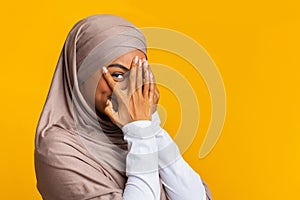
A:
255, 45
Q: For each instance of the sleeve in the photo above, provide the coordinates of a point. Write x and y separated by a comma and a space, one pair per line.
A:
141, 162
180, 180
64, 172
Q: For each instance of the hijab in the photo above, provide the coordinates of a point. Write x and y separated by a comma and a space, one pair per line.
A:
76, 150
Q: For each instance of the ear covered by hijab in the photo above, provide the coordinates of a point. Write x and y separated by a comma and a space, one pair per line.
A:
92, 43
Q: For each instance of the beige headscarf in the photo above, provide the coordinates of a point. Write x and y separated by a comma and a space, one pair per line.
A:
78, 155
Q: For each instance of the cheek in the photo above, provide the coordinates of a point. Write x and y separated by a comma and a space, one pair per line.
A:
102, 93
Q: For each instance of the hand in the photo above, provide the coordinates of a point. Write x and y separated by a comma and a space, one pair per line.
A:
138, 101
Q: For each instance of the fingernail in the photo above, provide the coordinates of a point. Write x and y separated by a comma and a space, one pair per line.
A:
140, 63
105, 70
145, 63
151, 76
136, 59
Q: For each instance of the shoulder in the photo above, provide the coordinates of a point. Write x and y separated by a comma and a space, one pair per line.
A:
56, 142
64, 169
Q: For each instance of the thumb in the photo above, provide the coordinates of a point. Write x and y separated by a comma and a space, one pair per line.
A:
109, 111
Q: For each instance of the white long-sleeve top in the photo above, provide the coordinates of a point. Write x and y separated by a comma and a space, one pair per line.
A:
153, 154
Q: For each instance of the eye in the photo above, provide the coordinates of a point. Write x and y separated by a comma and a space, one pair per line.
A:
118, 76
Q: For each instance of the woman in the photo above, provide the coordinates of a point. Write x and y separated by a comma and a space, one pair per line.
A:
99, 135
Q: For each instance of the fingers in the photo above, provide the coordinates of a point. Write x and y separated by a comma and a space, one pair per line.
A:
109, 111
156, 95
156, 92
133, 75
110, 81
139, 78
154, 88
146, 79
151, 87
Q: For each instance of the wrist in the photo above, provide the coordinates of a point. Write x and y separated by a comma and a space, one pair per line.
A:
141, 129
155, 117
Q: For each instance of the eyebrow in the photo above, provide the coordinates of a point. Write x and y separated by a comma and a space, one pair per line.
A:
119, 66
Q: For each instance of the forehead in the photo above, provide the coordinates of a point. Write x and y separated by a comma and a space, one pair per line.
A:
127, 58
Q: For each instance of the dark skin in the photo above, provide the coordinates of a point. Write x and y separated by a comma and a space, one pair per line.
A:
123, 80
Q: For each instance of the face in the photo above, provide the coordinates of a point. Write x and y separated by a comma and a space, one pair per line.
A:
118, 69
